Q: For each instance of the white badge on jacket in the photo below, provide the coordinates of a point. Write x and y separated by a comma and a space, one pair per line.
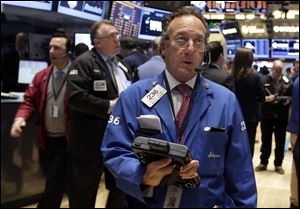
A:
154, 95
100, 85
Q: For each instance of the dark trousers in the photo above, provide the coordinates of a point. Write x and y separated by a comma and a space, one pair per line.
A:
251, 130
53, 162
267, 128
84, 178
116, 197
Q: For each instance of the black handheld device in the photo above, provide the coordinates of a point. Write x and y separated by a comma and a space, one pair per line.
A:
150, 149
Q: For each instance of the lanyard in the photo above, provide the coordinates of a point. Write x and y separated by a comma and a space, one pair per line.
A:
56, 94
184, 124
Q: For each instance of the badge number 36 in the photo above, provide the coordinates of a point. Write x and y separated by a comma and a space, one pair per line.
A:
115, 120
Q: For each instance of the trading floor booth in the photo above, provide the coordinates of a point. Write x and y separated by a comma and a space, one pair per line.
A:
22, 181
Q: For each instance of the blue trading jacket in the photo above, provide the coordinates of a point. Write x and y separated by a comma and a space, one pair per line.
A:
226, 170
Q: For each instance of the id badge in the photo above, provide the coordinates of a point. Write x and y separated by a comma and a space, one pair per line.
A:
154, 95
100, 85
55, 111
173, 197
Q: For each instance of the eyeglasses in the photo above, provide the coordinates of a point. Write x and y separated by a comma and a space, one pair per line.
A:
113, 36
183, 42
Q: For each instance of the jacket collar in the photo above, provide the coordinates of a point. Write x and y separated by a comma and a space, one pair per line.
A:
201, 102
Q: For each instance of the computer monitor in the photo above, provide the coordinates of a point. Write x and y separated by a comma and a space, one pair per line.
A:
260, 47
166, 5
232, 47
89, 10
151, 23
200, 6
126, 15
28, 68
83, 38
237, 6
41, 5
230, 30
285, 48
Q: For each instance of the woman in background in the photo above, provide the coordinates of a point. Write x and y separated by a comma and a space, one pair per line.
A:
249, 90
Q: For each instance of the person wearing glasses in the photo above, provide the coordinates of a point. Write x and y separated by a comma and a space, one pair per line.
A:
95, 81
180, 106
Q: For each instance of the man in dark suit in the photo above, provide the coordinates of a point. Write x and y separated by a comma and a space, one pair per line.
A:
95, 81
275, 114
214, 71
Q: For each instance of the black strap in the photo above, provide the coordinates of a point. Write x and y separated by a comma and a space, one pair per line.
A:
184, 124
56, 94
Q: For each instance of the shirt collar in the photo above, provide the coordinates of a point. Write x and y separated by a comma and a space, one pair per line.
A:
216, 66
65, 70
105, 57
173, 82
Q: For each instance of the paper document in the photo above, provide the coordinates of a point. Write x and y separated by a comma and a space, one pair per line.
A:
150, 122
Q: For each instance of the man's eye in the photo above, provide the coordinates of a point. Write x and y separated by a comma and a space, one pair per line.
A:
181, 40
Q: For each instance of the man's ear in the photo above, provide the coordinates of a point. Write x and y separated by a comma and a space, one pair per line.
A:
97, 43
162, 49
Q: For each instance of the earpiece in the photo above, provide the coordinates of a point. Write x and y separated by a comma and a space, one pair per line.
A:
206, 62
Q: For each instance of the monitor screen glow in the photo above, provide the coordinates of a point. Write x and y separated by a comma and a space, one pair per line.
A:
83, 38
126, 15
260, 47
232, 47
285, 48
151, 23
41, 5
90, 10
28, 69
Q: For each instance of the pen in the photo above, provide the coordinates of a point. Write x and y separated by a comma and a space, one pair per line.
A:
214, 129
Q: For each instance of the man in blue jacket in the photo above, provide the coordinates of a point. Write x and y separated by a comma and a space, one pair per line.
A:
190, 110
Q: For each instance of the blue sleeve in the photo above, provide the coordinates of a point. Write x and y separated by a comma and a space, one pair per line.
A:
240, 182
116, 146
293, 125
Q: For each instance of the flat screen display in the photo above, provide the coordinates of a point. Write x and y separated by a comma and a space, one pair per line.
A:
41, 5
200, 6
260, 47
83, 38
151, 23
28, 68
166, 5
90, 10
230, 30
285, 48
236, 6
232, 47
126, 16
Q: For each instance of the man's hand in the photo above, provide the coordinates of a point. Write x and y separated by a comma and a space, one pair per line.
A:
17, 127
189, 170
156, 171
270, 98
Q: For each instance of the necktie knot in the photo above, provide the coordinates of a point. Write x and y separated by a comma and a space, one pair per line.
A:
184, 89
59, 74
